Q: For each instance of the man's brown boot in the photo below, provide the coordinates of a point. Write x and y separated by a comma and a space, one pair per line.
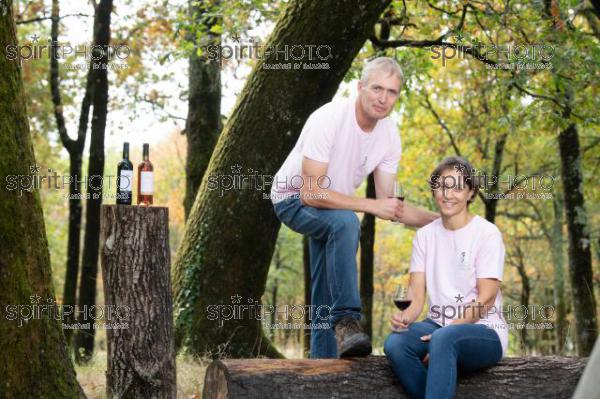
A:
351, 340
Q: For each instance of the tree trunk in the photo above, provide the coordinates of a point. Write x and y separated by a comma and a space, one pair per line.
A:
307, 302
372, 377
559, 280
35, 362
84, 338
136, 264
203, 122
277, 262
580, 257
579, 253
491, 204
75, 149
367, 241
230, 233
525, 294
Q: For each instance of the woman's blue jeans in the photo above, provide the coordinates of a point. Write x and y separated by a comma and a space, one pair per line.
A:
467, 347
333, 241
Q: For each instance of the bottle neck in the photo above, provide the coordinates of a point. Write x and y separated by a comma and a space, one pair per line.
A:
146, 152
126, 151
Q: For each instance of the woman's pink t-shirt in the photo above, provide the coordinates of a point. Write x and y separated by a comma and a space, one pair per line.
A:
453, 260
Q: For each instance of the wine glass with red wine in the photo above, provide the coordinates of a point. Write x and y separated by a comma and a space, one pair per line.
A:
398, 193
402, 301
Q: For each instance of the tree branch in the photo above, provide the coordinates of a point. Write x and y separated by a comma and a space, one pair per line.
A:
443, 125
40, 19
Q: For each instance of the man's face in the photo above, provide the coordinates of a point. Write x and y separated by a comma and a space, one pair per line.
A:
379, 94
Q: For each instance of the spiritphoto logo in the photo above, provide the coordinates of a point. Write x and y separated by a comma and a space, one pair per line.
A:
507, 56
521, 186
53, 181
253, 180
254, 310
35, 50
295, 56
112, 317
532, 316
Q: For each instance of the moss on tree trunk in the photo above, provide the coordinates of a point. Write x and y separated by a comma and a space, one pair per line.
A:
35, 362
230, 233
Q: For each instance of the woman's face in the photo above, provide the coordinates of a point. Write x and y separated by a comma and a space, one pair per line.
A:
451, 193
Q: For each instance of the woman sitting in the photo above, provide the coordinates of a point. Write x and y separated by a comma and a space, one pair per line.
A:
458, 260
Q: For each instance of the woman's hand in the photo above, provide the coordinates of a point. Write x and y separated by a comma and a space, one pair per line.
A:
426, 338
400, 321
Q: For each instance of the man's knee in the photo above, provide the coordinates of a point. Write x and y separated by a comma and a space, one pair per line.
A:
346, 221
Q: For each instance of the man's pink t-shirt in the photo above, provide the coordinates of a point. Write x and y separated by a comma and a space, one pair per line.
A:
332, 135
453, 260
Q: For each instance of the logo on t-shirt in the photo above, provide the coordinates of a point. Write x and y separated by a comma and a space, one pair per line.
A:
462, 260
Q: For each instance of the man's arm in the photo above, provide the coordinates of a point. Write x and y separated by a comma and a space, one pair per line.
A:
315, 192
417, 217
411, 215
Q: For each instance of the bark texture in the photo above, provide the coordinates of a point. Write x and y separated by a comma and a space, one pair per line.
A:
203, 123
84, 338
34, 359
372, 377
580, 255
136, 263
231, 230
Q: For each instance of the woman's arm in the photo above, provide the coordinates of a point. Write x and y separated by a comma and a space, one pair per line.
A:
488, 289
401, 319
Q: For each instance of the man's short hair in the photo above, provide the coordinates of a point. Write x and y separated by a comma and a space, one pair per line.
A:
382, 64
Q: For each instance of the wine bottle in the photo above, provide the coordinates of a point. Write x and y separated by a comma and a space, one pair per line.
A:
145, 183
124, 178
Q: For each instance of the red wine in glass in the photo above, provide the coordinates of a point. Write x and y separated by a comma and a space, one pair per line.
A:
402, 304
399, 194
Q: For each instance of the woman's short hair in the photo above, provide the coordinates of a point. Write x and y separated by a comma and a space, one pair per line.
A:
462, 166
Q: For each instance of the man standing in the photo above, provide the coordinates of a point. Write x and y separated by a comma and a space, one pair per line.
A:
341, 143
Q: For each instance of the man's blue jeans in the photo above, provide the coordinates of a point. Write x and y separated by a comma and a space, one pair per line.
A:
467, 347
333, 242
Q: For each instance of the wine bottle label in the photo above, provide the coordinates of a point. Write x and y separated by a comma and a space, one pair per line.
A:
147, 183
125, 180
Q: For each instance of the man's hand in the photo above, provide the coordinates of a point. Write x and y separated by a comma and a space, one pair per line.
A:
400, 321
388, 208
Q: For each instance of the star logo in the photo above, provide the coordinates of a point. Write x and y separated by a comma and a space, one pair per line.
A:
34, 169
236, 298
459, 37
34, 38
236, 168
459, 168
235, 37
35, 298
459, 298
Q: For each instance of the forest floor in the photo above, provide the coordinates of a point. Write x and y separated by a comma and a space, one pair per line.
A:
190, 372
190, 376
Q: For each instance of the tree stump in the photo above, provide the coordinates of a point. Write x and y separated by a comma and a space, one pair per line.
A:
371, 376
136, 265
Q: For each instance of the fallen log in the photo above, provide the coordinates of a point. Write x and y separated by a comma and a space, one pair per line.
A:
371, 377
